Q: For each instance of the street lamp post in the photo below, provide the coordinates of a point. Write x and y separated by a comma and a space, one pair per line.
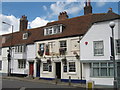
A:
112, 25
9, 51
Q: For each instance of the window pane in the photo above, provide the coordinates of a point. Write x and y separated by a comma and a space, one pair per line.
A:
47, 31
58, 29
98, 48
63, 44
111, 72
72, 67
103, 64
50, 30
21, 47
118, 46
110, 64
45, 67
95, 71
65, 68
55, 29
21, 64
103, 71
96, 64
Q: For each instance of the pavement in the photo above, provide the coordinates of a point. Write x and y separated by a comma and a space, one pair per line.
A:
58, 82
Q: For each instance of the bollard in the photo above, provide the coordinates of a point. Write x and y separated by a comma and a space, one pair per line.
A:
90, 85
56, 81
69, 80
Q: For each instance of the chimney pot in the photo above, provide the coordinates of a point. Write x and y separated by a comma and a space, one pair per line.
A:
63, 15
88, 7
109, 10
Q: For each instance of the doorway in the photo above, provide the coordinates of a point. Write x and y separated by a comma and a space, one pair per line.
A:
38, 69
58, 70
31, 68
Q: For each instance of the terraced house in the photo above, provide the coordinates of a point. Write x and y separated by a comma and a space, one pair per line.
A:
68, 47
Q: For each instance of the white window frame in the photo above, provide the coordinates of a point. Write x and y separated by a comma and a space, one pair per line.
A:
99, 51
20, 48
63, 45
99, 68
53, 29
25, 36
21, 64
117, 46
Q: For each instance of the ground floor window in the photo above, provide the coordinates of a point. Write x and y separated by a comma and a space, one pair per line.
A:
102, 69
65, 68
72, 67
21, 64
47, 67
0, 65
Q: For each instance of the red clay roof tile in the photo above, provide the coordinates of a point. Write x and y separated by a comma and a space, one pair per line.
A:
73, 27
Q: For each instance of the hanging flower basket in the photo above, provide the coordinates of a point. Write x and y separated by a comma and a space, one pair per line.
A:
64, 60
77, 56
40, 53
48, 61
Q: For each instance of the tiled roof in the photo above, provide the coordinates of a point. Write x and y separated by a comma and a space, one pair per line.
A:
72, 27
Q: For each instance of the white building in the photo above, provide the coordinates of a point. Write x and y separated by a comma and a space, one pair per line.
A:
63, 48
21, 43
95, 51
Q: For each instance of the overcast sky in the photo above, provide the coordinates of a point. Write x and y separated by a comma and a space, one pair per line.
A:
40, 13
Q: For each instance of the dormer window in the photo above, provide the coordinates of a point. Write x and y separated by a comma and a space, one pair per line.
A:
25, 36
56, 29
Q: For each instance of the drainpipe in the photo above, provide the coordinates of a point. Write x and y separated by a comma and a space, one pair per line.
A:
79, 58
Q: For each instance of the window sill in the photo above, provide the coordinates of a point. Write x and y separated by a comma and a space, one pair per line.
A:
21, 68
71, 73
19, 52
101, 76
45, 72
99, 55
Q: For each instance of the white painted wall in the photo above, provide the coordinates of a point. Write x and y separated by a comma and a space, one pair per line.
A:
3, 57
99, 31
29, 55
72, 45
17, 70
31, 52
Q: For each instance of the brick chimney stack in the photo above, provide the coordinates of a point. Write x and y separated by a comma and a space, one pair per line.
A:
63, 16
23, 23
88, 7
